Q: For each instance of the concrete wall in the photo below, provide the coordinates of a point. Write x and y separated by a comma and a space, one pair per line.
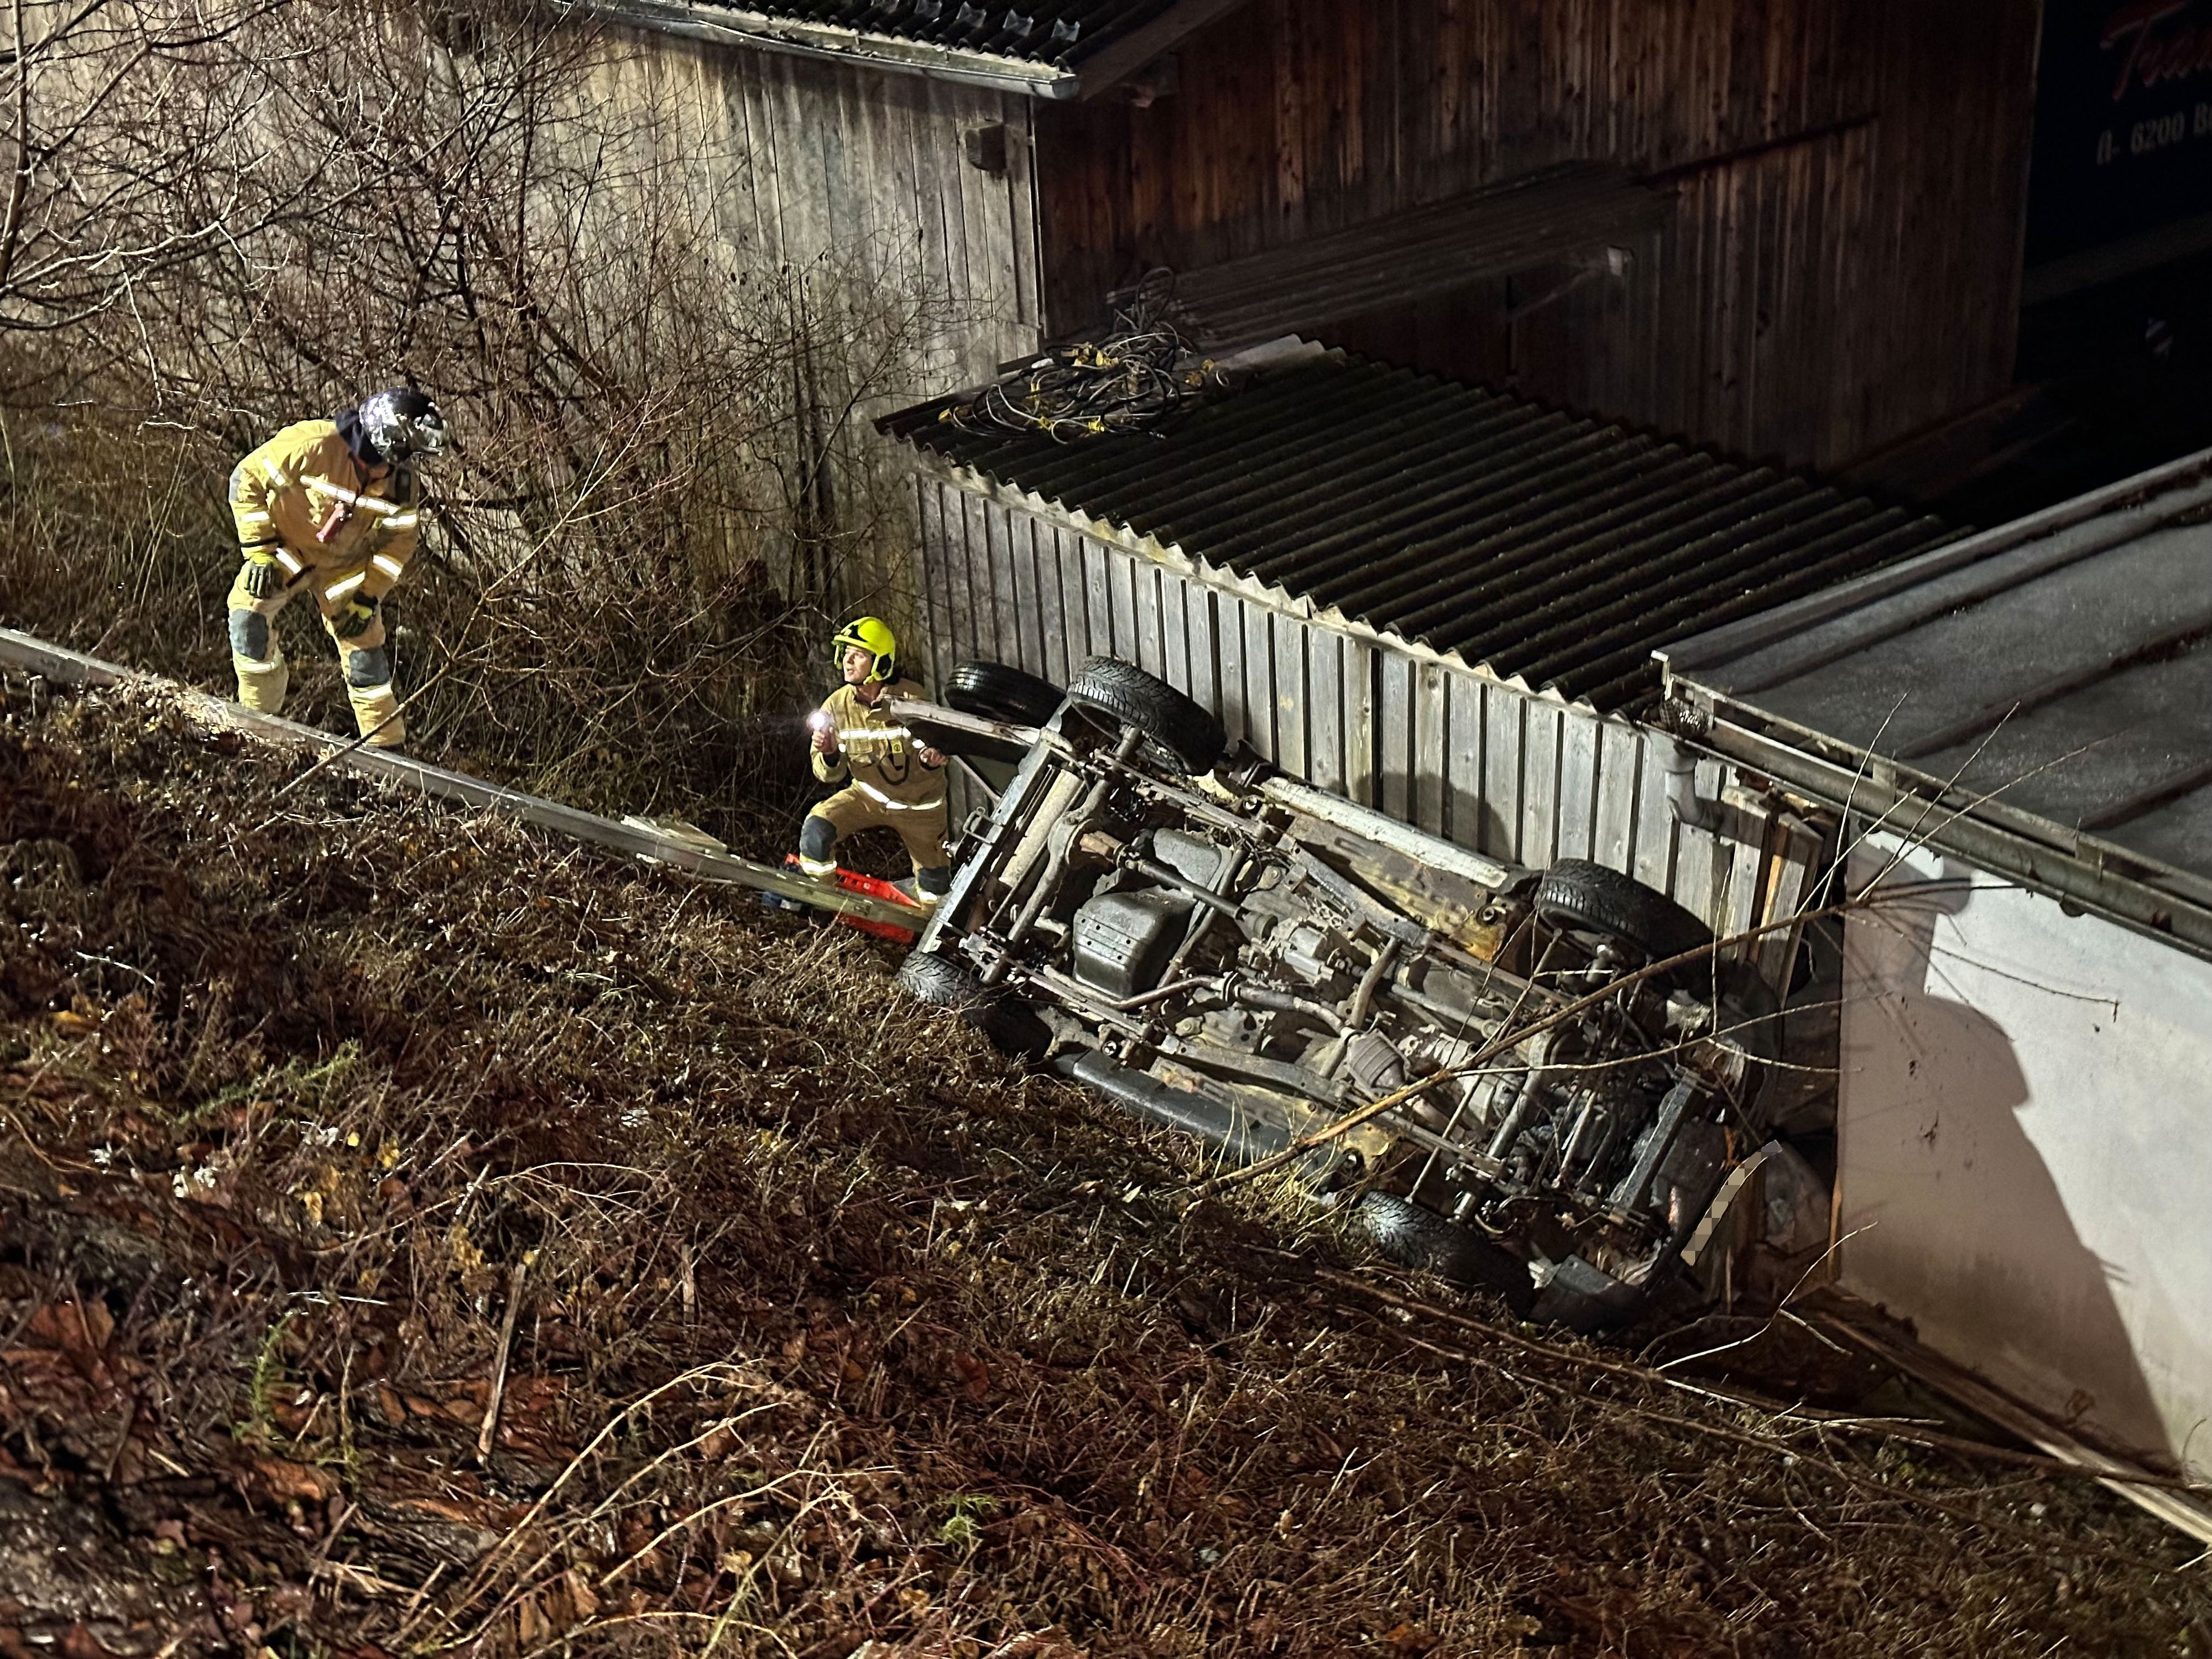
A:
2025, 1149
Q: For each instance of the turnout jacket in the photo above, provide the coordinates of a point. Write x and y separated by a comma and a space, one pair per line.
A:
876, 754
284, 493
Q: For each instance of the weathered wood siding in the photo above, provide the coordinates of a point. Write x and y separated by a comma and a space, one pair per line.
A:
800, 161
1844, 263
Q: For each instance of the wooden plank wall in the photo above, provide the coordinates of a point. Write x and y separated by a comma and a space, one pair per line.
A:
1845, 260
800, 161
1516, 776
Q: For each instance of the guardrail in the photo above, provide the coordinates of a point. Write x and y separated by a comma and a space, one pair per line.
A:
68, 667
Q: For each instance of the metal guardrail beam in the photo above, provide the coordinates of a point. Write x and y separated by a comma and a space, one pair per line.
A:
68, 667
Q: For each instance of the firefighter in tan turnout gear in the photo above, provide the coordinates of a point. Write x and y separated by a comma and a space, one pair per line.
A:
329, 507
890, 779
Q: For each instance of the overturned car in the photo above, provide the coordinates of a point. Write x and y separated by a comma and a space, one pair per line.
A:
1535, 1081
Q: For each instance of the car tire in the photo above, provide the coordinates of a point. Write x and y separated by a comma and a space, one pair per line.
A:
1414, 1238
1010, 1025
940, 983
995, 692
1190, 735
998, 692
1578, 897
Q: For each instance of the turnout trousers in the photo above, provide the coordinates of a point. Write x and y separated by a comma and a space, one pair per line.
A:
920, 827
263, 675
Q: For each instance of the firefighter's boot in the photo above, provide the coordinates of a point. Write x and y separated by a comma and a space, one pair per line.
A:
369, 685
376, 711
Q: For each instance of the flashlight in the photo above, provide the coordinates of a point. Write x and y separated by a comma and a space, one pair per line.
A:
818, 721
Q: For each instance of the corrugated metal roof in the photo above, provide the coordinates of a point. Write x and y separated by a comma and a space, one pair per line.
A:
2055, 675
1043, 31
1403, 258
1053, 48
1547, 547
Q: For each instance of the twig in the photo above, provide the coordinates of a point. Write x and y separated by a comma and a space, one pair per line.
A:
484, 1434
1784, 1449
1811, 1418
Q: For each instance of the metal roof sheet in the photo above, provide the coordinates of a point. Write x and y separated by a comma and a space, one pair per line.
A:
2055, 674
1049, 48
1542, 547
1400, 258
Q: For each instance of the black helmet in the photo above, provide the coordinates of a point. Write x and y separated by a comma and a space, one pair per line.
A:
401, 424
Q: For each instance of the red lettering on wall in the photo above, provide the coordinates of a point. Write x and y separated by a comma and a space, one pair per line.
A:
2150, 52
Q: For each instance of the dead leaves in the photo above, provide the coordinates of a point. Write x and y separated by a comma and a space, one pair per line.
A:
80, 1331
283, 1480
1014, 1451
974, 1377
65, 1387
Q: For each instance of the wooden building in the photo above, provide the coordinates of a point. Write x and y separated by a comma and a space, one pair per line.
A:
1788, 228
1839, 266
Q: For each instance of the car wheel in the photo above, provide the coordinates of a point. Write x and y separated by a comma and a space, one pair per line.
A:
1191, 735
998, 692
1594, 1301
1578, 897
1009, 1023
1414, 1238
940, 983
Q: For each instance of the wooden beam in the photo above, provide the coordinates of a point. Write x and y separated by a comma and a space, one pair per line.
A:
1120, 59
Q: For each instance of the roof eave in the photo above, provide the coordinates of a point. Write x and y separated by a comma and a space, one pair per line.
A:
734, 26
1118, 59
2119, 886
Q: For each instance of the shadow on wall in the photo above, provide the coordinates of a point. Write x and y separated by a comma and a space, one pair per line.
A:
1954, 1215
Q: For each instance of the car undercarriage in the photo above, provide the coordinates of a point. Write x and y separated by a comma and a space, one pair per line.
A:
1538, 1082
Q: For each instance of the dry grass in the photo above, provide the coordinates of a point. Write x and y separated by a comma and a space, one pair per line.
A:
813, 1324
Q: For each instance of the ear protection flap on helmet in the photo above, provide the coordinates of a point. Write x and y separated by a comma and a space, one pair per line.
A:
873, 635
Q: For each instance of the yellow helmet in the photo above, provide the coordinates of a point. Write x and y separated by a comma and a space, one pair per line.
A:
872, 635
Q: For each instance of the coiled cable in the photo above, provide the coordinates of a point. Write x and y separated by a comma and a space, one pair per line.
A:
1140, 371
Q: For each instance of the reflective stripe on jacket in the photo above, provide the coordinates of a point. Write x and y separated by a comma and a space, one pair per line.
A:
285, 491
875, 752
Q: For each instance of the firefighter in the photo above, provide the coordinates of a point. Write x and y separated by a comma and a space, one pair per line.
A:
330, 506
889, 778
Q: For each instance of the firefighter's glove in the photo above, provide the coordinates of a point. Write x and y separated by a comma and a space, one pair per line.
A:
260, 578
353, 620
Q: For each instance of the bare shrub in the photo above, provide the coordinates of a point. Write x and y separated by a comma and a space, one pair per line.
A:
661, 492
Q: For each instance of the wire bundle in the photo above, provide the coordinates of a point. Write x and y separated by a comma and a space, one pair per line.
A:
1139, 373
